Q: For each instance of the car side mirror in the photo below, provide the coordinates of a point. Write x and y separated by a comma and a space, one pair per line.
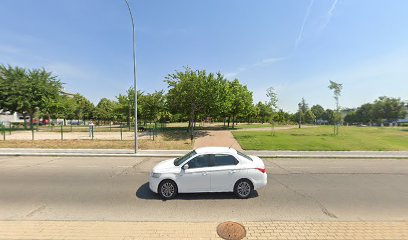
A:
185, 167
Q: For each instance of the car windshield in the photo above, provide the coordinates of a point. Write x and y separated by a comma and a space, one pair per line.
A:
244, 155
182, 159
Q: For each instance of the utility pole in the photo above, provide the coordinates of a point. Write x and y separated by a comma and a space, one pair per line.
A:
134, 71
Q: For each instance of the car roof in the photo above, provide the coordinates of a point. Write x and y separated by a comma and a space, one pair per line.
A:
214, 150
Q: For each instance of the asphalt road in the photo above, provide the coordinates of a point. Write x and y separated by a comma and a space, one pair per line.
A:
96, 188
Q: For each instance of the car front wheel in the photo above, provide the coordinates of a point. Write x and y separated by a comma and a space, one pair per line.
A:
243, 188
167, 189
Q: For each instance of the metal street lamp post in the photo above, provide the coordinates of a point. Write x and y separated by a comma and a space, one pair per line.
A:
134, 71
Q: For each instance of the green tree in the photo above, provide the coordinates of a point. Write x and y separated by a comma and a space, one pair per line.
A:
329, 116
197, 95
309, 116
241, 99
154, 106
282, 116
389, 109
272, 104
27, 91
105, 110
185, 95
302, 109
84, 108
264, 111
318, 111
125, 109
351, 117
336, 87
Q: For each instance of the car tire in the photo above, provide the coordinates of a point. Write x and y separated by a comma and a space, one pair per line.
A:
167, 189
243, 188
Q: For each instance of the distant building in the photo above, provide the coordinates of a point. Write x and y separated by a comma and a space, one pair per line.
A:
64, 93
7, 117
322, 122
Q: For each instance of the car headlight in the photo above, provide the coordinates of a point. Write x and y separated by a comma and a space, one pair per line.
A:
156, 175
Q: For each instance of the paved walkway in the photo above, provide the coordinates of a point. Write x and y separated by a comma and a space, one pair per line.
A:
199, 230
216, 139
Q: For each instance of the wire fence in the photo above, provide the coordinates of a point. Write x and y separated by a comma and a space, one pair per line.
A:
78, 132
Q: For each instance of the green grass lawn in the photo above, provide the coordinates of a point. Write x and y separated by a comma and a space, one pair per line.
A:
321, 139
256, 125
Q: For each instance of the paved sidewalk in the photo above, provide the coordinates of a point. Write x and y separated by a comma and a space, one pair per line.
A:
216, 139
176, 153
200, 230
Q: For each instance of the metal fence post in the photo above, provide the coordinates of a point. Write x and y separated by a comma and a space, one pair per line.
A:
62, 132
121, 137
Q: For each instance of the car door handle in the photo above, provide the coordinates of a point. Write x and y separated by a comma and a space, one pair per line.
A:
233, 171
204, 173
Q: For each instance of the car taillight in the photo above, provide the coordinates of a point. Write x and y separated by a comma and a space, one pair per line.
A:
263, 170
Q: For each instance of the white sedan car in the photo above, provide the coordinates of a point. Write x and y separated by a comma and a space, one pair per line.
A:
209, 169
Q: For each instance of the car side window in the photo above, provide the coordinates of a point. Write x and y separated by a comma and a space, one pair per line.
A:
224, 160
199, 162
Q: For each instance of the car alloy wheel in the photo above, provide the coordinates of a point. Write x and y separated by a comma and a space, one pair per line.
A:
167, 189
243, 189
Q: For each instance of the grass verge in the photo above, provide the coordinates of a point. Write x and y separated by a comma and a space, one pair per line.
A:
322, 139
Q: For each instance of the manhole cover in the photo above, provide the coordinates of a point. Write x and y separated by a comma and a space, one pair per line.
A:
231, 231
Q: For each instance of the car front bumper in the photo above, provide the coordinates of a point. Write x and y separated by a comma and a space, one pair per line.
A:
154, 183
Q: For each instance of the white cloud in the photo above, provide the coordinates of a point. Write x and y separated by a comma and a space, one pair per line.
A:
262, 62
329, 15
302, 27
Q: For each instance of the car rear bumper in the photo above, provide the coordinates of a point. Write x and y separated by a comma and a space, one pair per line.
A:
260, 182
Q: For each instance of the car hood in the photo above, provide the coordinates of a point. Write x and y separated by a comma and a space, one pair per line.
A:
166, 166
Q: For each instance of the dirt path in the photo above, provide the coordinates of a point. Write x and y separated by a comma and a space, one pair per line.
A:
27, 135
216, 139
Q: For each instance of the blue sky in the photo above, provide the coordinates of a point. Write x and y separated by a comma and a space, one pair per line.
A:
295, 46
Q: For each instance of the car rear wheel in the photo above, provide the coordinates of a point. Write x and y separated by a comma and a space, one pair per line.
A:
243, 188
167, 189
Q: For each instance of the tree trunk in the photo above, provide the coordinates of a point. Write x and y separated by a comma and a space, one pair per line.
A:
191, 123
229, 119
31, 120
24, 119
233, 121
